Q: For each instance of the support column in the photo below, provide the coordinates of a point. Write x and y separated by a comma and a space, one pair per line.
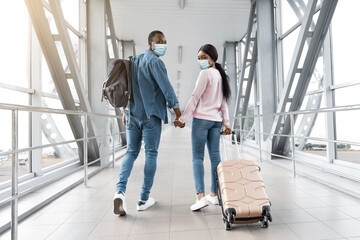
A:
230, 61
35, 83
266, 63
329, 98
97, 65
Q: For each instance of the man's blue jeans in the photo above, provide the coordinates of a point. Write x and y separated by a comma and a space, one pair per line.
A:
150, 130
205, 132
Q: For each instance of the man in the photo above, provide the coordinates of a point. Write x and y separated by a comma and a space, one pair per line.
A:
151, 91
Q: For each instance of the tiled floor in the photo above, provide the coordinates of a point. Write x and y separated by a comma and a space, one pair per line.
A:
301, 208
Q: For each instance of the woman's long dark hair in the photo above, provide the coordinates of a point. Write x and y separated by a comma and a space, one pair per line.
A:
212, 52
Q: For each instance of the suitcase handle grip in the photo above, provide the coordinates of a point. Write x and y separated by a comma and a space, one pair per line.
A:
222, 132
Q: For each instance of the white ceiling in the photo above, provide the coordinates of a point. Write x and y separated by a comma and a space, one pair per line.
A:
200, 22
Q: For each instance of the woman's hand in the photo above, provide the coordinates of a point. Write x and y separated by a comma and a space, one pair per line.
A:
227, 130
179, 124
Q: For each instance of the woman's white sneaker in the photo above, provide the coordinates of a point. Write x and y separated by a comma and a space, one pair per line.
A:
141, 206
213, 200
199, 204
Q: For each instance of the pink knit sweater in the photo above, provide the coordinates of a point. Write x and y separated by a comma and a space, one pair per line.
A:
207, 101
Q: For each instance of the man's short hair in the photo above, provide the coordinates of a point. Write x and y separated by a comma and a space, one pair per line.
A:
152, 35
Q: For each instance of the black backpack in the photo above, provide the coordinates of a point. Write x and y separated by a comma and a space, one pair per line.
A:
117, 87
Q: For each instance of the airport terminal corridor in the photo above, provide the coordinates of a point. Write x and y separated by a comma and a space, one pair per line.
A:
301, 208
287, 69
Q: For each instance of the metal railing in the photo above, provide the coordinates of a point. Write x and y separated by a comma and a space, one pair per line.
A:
15, 195
292, 136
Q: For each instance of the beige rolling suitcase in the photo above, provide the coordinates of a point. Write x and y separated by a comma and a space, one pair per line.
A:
241, 192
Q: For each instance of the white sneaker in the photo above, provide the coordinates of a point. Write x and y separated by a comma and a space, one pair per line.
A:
119, 204
199, 204
213, 200
141, 206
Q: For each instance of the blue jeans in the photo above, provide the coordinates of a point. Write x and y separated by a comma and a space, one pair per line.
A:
150, 130
205, 131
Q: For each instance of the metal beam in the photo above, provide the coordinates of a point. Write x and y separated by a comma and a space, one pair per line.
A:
279, 49
243, 96
305, 71
314, 100
75, 73
110, 25
249, 83
51, 54
308, 120
266, 64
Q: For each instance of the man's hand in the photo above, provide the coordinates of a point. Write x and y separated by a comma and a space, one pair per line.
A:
177, 113
179, 124
124, 118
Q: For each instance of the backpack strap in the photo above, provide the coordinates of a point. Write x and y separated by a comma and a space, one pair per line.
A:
128, 72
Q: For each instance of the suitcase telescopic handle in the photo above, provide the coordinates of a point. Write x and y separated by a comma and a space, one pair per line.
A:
224, 147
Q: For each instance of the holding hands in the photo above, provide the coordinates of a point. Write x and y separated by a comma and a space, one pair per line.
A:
179, 124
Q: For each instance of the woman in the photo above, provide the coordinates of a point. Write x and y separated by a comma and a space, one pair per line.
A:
208, 107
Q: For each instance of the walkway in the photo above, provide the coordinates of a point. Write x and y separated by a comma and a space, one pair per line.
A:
301, 208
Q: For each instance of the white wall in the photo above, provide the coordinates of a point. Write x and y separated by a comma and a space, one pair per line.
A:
200, 22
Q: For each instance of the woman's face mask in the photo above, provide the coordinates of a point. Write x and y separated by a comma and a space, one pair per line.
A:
160, 49
203, 64
204, 60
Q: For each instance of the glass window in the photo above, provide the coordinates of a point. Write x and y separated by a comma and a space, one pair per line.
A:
289, 17
55, 129
347, 96
75, 45
14, 47
347, 129
5, 129
288, 50
114, 128
47, 83
49, 157
317, 131
6, 144
13, 97
249, 121
346, 38
110, 48
62, 56
70, 9
51, 21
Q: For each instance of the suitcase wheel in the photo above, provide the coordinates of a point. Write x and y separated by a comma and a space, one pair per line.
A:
265, 222
230, 215
230, 218
227, 225
267, 217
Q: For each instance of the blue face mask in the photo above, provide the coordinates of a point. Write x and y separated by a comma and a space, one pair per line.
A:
203, 64
160, 49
